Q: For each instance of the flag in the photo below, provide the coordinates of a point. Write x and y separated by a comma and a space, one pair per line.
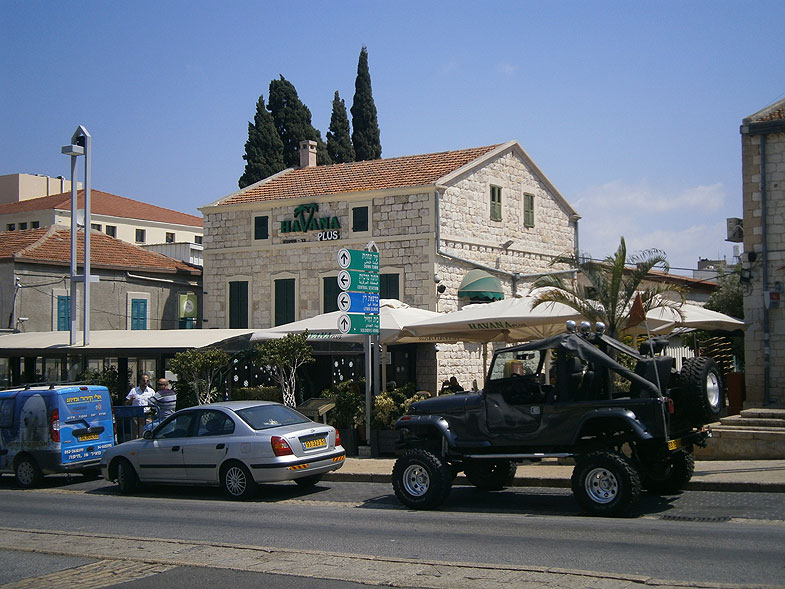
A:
637, 314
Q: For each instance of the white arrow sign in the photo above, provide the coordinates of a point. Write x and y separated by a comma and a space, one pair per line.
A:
344, 323
344, 301
344, 279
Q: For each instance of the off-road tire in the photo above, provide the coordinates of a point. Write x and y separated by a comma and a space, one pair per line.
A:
671, 476
606, 483
237, 482
309, 481
127, 479
27, 473
420, 479
489, 475
703, 393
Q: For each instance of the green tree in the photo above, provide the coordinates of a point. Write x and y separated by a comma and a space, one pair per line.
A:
365, 127
285, 356
339, 141
292, 120
203, 369
263, 150
613, 284
729, 297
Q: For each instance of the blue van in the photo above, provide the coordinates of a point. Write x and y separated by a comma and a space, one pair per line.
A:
55, 428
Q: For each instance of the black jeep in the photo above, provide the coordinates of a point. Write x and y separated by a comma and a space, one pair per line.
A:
627, 423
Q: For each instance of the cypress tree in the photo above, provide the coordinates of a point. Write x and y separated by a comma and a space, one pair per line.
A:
339, 142
263, 150
365, 127
293, 123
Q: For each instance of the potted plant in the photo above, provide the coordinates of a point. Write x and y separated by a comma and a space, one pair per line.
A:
388, 407
347, 415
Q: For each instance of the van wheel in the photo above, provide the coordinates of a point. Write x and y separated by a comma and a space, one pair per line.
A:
127, 479
27, 473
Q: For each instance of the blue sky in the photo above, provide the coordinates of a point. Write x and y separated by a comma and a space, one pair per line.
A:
632, 109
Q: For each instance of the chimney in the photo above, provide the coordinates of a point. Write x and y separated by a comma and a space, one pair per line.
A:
307, 153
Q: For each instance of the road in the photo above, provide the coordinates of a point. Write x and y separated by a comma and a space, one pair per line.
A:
699, 537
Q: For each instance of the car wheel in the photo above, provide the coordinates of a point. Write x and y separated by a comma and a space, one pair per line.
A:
27, 473
703, 392
309, 481
237, 481
490, 476
421, 480
605, 483
670, 476
127, 479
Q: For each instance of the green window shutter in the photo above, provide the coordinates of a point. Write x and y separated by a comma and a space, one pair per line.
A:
360, 219
138, 314
528, 210
238, 304
496, 203
63, 313
330, 290
261, 227
389, 286
284, 301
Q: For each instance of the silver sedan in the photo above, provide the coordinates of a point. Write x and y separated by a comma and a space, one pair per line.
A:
235, 445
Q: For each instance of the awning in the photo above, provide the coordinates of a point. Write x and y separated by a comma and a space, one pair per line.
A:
478, 285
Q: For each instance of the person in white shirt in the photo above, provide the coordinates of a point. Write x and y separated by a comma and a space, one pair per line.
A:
140, 396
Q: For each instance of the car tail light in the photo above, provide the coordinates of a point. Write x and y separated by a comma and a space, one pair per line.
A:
671, 407
54, 425
280, 446
338, 438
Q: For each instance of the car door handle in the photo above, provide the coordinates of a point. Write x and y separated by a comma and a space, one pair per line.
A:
220, 446
175, 448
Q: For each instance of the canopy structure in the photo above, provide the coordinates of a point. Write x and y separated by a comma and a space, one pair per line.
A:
478, 285
694, 317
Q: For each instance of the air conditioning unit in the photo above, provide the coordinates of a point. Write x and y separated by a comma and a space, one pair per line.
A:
735, 227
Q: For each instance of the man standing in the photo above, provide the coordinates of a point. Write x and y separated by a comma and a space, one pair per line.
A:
140, 396
165, 399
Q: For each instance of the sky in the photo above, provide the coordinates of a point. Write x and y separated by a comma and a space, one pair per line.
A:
631, 109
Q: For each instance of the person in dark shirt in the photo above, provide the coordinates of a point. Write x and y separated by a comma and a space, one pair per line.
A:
165, 399
454, 386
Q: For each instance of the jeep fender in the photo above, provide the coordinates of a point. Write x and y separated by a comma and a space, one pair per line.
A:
420, 429
600, 417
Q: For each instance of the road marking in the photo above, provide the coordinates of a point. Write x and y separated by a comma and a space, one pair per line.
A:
103, 573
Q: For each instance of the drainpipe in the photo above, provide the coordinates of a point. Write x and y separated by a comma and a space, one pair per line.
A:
514, 276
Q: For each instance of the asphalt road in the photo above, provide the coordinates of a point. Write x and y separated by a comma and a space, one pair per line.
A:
734, 538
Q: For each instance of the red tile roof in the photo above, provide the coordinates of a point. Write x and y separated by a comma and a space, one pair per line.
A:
399, 172
52, 245
104, 203
775, 115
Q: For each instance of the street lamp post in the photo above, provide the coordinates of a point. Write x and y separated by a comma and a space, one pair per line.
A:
80, 145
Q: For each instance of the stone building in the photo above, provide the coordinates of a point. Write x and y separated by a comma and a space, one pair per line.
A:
270, 252
763, 172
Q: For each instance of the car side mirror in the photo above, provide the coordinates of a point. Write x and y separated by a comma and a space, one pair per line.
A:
148, 435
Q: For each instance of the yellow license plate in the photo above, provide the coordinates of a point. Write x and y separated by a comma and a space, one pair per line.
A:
674, 444
317, 443
88, 437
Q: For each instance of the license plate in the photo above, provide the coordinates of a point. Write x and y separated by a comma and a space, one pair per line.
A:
88, 437
674, 444
317, 443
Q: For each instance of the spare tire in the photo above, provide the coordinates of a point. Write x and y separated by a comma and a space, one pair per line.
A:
703, 393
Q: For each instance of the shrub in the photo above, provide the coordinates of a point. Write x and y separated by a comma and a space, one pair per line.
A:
349, 397
257, 394
389, 406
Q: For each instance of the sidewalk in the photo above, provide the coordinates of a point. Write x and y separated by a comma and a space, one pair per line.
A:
710, 475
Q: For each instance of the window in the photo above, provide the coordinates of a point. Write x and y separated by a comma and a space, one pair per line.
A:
284, 301
330, 291
169, 237
138, 313
178, 427
35, 225
389, 286
63, 313
111, 230
214, 423
238, 304
496, 203
261, 227
360, 219
96, 226
141, 235
11, 227
23, 226
198, 239
528, 210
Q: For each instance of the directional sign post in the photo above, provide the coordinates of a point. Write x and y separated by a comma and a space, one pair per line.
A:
359, 299
358, 260
357, 302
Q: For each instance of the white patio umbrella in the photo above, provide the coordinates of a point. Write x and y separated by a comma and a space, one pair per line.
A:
695, 317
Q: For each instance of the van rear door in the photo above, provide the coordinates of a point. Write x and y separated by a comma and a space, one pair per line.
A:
86, 430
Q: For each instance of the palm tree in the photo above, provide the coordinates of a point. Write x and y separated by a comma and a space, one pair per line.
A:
613, 285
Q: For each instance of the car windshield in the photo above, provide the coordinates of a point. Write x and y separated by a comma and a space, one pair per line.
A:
267, 416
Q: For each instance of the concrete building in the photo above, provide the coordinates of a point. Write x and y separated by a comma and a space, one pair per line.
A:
271, 249
763, 172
